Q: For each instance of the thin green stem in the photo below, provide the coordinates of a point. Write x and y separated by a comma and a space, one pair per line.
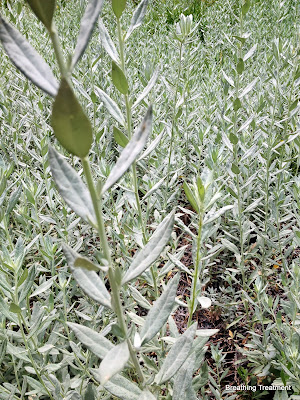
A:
58, 51
112, 272
197, 271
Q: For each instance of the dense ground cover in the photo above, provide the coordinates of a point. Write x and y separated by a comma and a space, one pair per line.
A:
225, 97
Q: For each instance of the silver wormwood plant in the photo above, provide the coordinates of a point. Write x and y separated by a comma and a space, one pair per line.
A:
171, 374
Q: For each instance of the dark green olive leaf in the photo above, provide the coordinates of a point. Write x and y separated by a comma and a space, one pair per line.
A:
89, 393
71, 187
23, 277
118, 7
237, 104
14, 308
159, 313
131, 152
235, 169
88, 280
114, 361
27, 59
190, 196
120, 137
111, 106
240, 66
71, 126
146, 257
183, 380
246, 7
120, 387
44, 10
107, 42
27, 285
119, 79
146, 395
177, 355
94, 341
137, 17
87, 25
83, 262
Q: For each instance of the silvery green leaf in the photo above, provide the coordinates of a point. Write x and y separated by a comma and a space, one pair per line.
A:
114, 361
250, 52
205, 302
137, 17
183, 379
248, 88
206, 332
120, 387
147, 89
146, 257
88, 280
154, 188
160, 311
71, 125
44, 10
152, 146
27, 59
146, 395
14, 198
177, 355
70, 186
87, 25
94, 341
111, 106
179, 264
131, 151
43, 287
107, 42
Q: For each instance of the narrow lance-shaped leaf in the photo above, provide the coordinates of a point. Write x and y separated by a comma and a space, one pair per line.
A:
114, 361
88, 280
146, 257
147, 89
44, 10
70, 186
71, 126
27, 59
89, 393
183, 380
177, 355
119, 79
107, 42
159, 313
137, 17
94, 341
131, 152
87, 25
111, 106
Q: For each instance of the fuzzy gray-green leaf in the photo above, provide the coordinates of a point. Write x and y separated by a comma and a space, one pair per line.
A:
183, 379
111, 106
94, 341
131, 152
146, 257
146, 395
137, 17
27, 59
114, 361
107, 42
177, 355
88, 280
71, 126
70, 186
44, 10
87, 25
121, 387
160, 311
